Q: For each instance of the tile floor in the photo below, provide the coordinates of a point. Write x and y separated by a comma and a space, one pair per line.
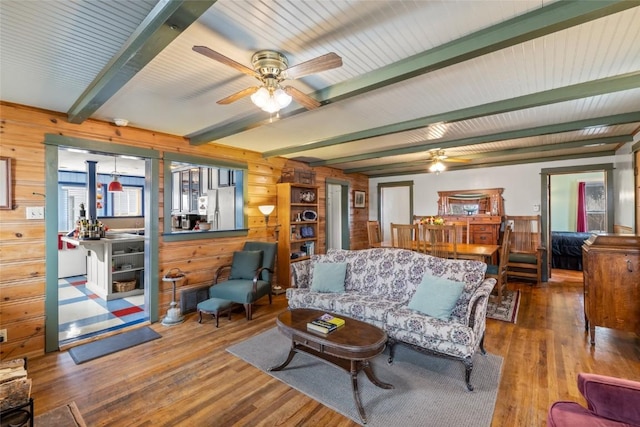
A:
83, 314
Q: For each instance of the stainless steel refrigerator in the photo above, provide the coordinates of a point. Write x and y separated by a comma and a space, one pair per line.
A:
221, 208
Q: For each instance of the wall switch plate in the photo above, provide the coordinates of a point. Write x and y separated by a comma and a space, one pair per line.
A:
35, 212
3, 335
536, 208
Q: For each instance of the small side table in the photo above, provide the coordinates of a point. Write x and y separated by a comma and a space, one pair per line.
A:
173, 316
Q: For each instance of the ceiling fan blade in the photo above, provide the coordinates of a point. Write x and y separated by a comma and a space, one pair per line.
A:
238, 95
456, 160
224, 60
301, 98
312, 66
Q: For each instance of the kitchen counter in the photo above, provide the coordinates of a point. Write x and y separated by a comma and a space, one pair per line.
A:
117, 257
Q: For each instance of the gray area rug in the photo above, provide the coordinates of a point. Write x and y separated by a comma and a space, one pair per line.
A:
93, 350
429, 391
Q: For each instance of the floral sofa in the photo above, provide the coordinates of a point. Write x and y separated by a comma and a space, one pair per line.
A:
379, 284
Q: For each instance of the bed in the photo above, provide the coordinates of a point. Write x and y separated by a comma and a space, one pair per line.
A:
566, 249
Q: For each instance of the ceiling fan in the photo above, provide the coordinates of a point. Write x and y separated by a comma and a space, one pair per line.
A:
271, 68
438, 158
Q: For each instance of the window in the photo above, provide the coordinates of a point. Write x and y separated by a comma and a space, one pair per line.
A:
72, 192
596, 206
196, 195
128, 202
70, 201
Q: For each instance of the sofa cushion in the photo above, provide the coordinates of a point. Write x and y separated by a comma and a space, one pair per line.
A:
305, 298
329, 276
368, 308
245, 264
445, 336
436, 296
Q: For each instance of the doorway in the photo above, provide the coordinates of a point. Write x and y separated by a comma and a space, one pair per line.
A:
100, 282
337, 214
549, 212
52, 202
395, 206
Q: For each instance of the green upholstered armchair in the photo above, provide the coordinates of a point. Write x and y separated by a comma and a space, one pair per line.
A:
250, 276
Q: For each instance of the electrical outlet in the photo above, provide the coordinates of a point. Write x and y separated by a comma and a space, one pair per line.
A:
3, 335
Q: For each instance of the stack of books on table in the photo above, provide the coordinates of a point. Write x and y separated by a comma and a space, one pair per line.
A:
325, 324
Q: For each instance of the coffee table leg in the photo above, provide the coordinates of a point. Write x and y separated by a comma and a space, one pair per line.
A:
366, 367
356, 393
283, 365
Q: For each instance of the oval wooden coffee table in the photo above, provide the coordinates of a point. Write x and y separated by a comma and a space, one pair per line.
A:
350, 347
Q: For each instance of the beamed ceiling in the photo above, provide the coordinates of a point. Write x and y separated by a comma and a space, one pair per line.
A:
488, 82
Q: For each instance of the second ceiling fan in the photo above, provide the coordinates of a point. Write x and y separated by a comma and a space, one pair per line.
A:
438, 157
271, 68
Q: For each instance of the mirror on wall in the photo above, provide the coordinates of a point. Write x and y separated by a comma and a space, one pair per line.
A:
204, 196
471, 202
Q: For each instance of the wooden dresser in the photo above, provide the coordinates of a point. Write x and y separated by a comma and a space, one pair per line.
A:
611, 267
483, 229
481, 210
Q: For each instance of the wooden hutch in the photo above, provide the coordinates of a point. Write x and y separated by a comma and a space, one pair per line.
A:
482, 211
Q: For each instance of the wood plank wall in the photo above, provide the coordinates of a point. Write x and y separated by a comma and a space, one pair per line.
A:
22, 245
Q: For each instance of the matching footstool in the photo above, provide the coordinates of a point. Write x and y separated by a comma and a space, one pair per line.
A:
214, 307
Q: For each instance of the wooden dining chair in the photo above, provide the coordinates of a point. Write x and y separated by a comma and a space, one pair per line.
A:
462, 231
525, 254
373, 234
404, 236
440, 240
499, 272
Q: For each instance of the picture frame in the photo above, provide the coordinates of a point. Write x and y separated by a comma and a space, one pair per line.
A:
6, 196
359, 199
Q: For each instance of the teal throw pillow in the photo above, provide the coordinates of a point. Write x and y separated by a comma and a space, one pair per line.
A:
245, 264
329, 276
436, 296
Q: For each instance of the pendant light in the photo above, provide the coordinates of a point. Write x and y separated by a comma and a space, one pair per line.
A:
115, 185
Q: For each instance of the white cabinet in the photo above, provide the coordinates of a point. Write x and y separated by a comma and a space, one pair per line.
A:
110, 260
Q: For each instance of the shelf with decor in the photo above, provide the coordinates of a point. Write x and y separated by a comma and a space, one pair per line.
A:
298, 222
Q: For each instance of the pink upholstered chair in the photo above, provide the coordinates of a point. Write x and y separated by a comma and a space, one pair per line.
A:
610, 401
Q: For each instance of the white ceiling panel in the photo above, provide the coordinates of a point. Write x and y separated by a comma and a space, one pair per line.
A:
51, 52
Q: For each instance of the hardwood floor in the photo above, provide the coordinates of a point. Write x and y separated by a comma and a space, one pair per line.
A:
187, 377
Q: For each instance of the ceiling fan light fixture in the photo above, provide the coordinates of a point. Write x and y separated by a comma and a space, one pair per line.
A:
261, 97
282, 98
437, 167
271, 100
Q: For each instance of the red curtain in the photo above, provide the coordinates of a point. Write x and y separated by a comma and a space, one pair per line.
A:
582, 209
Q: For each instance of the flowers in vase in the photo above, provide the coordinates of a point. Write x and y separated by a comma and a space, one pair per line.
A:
432, 220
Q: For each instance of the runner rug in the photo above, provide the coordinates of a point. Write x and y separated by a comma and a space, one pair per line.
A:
429, 391
93, 350
507, 309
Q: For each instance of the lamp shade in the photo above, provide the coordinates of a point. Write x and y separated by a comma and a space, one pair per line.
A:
115, 185
266, 209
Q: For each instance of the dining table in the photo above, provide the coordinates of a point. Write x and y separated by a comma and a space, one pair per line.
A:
473, 251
